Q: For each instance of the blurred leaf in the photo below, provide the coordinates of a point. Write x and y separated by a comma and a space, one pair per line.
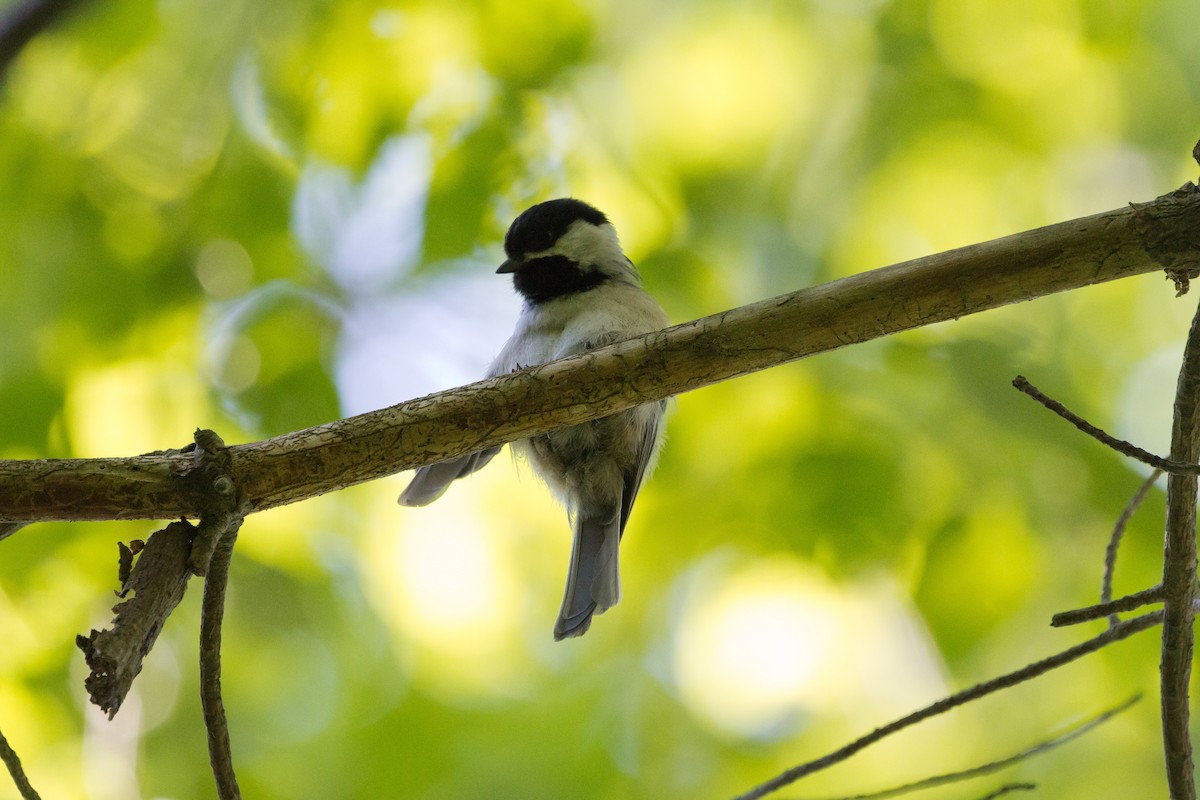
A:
260, 219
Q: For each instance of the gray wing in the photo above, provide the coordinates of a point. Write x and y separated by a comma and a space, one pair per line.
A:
431, 482
635, 475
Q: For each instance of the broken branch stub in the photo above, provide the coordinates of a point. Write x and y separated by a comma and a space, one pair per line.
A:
158, 580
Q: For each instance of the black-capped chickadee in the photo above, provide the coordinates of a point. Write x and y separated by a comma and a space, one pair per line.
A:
580, 293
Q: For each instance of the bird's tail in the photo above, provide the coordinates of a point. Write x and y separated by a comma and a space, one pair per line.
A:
593, 580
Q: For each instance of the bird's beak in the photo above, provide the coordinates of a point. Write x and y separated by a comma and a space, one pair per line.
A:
508, 266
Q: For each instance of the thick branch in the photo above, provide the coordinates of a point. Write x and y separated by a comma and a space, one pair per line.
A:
1162, 234
1179, 575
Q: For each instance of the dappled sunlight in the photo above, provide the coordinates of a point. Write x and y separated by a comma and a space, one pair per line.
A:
144, 119
50, 730
450, 587
1046, 65
371, 61
954, 186
420, 41
979, 573
224, 268
268, 218
756, 654
1040, 40
50, 85
288, 538
1089, 180
110, 751
133, 406
458, 102
746, 79
523, 43
645, 207
748, 421
764, 644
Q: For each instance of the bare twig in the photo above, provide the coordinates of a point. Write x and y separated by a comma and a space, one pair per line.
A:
22, 22
211, 554
996, 766
211, 614
1179, 575
1110, 609
1114, 541
13, 762
1104, 247
1173, 467
1114, 634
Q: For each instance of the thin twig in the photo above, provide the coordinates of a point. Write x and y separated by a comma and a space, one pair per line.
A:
1110, 609
996, 766
212, 612
1114, 541
1173, 467
1121, 631
13, 762
1179, 576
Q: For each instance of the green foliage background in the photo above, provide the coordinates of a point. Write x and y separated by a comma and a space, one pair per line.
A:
266, 215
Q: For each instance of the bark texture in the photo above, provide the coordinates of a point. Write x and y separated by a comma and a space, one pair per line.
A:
1162, 234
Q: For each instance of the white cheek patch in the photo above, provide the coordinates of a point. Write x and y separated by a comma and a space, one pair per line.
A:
585, 243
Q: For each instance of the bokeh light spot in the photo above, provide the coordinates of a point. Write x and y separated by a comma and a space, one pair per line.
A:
224, 269
756, 649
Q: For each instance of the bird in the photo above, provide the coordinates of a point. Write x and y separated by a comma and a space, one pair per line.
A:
579, 292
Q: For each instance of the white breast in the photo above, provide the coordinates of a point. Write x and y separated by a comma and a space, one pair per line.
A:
570, 325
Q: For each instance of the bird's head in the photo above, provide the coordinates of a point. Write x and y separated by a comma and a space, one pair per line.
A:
563, 247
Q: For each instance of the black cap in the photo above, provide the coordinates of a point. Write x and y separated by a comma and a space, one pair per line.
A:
539, 227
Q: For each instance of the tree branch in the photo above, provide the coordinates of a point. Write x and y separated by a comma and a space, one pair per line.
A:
1163, 234
1179, 575
1114, 540
211, 615
13, 763
1123, 447
1109, 608
1029, 671
999, 764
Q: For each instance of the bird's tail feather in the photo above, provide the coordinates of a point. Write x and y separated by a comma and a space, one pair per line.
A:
593, 580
